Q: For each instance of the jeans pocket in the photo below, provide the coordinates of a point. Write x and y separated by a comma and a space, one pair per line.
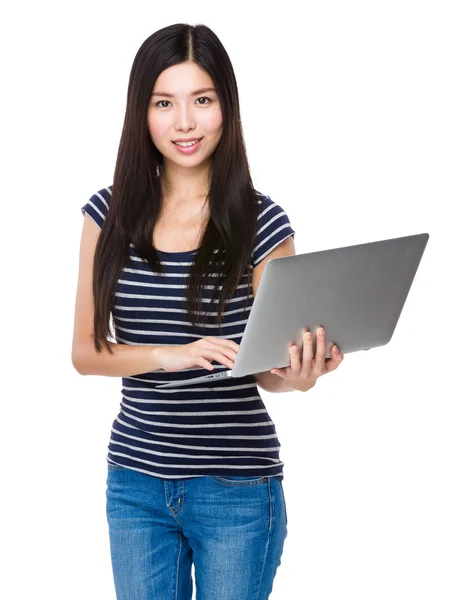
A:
238, 480
285, 504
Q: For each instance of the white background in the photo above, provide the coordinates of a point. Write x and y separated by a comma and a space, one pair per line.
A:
350, 117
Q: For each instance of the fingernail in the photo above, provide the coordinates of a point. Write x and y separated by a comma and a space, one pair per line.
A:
335, 349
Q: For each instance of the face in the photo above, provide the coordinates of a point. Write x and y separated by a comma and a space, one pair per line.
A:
177, 112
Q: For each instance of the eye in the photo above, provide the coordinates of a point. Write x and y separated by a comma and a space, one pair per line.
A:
200, 98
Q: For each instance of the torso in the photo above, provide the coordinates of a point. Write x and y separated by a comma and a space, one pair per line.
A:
174, 232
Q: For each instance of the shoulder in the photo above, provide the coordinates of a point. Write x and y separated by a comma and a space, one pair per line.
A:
267, 205
98, 204
264, 202
273, 227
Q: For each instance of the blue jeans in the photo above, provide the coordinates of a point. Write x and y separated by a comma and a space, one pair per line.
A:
232, 529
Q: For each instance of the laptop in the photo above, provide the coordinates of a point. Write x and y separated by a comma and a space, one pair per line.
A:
356, 293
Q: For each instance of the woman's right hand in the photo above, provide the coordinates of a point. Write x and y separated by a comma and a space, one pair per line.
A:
197, 354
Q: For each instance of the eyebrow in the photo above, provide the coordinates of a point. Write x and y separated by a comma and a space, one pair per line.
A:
201, 91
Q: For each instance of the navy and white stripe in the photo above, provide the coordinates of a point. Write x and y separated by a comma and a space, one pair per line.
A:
219, 428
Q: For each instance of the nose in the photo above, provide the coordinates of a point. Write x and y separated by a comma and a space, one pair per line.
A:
185, 119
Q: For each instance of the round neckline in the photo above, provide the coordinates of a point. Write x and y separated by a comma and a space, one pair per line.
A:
183, 253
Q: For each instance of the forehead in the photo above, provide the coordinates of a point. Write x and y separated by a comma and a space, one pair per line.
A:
182, 80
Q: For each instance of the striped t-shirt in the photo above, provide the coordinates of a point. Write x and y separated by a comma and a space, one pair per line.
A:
216, 428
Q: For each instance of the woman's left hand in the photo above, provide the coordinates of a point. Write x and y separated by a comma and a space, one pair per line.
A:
305, 370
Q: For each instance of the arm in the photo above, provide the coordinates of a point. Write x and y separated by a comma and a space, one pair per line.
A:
265, 379
125, 361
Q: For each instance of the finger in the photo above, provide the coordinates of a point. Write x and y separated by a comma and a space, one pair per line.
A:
336, 358
231, 355
221, 358
224, 342
319, 360
279, 372
205, 364
295, 361
308, 353
225, 347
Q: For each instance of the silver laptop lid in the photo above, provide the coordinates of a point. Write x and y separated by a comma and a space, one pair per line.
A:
356, 292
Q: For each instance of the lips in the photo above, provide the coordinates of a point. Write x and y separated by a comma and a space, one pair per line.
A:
190, 140
191, 149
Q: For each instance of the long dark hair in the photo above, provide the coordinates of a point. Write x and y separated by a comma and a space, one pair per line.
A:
137, 193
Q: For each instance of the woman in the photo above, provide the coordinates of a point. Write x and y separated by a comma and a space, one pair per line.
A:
174, 251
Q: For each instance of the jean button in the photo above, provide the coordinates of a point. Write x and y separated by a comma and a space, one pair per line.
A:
265, 479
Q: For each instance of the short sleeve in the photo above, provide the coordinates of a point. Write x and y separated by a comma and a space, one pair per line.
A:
273, 228
97, 206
